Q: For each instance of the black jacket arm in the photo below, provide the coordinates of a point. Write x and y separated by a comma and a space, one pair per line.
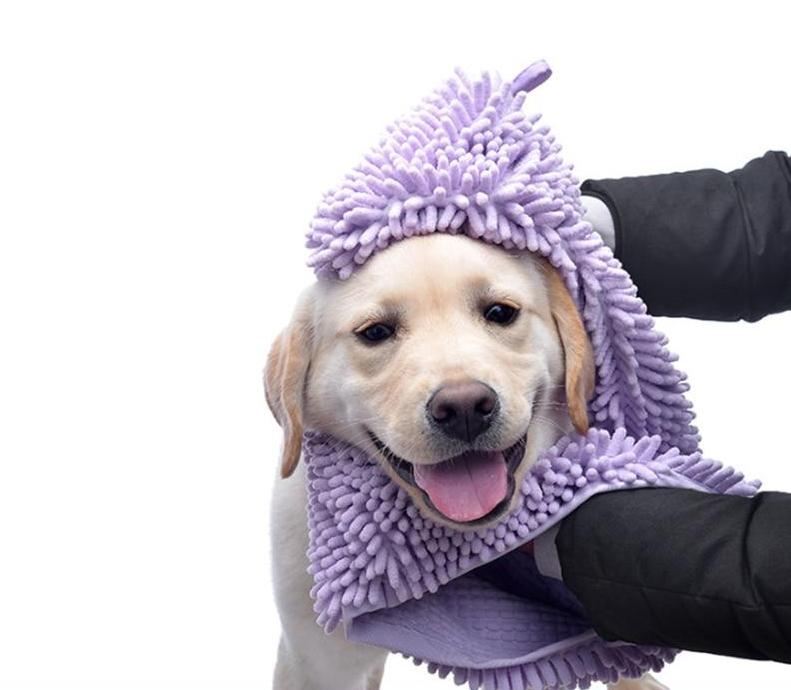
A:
706, 244
684, 569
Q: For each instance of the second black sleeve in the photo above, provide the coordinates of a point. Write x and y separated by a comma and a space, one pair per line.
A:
684, 569
706, 244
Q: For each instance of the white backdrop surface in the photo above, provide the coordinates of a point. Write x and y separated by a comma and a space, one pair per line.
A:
159, 162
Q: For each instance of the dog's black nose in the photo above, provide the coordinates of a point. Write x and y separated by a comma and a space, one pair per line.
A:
463, 410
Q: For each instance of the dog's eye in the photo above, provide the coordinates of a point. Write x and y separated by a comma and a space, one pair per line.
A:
376, 333
500, 313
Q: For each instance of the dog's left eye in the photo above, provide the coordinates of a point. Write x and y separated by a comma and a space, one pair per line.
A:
376, 333
500, 313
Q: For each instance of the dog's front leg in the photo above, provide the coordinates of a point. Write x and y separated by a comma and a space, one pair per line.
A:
295, 672
308, 658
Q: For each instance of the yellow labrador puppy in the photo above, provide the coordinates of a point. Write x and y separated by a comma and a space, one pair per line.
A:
440, 348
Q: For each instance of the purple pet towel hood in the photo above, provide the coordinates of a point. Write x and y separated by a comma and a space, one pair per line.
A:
472, 603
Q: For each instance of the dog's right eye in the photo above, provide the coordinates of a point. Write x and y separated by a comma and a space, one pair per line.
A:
376, 333
503, 314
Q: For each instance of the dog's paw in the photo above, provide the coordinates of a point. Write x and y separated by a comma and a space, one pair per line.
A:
647, 682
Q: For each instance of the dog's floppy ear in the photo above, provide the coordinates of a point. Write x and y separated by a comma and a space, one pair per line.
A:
285, 376
577, 350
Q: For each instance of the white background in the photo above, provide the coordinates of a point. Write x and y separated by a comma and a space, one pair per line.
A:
159, 162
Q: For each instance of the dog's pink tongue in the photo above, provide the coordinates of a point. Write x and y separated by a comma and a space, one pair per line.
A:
466, 487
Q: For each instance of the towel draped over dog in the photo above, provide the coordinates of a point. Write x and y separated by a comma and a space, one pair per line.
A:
472, 602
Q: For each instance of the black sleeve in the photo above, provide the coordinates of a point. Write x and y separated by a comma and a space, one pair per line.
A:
706, 244
684, 569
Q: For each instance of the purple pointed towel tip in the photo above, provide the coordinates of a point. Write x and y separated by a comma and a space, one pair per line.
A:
531, 77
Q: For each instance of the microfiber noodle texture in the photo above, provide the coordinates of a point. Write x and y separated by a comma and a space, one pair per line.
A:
471, 603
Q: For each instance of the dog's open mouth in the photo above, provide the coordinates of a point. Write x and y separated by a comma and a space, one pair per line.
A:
473, 487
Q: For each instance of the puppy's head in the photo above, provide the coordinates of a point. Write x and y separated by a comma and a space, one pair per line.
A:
451, 361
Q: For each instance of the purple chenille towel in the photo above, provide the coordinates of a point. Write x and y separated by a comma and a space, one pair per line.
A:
472, 603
